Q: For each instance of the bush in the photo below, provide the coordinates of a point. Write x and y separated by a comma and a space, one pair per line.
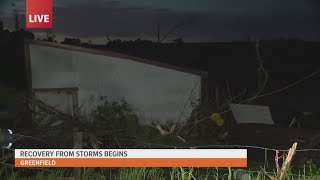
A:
113, 124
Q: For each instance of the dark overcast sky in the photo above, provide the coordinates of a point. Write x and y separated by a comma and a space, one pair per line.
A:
199, 20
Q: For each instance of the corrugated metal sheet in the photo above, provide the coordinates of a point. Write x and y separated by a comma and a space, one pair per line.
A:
155, 93
245, 113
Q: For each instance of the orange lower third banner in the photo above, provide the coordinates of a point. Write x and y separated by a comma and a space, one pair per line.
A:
130, 158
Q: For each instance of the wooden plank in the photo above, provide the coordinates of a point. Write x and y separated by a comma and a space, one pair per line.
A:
70, 90
77, 144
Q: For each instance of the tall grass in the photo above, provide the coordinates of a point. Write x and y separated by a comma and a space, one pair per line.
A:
182, 173
141, 173
305, 173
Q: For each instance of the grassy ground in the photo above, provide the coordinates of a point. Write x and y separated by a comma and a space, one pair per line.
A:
307, 173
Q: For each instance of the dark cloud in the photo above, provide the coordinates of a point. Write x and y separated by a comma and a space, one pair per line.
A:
119, 19
133, 21
163, 9
97, 20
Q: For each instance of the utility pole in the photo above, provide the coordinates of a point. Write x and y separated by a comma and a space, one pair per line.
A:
16, 17
107, 36
16, 21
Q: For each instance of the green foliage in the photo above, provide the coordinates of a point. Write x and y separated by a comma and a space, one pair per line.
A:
149, 137
201, 130
183, 173
139, 173
116, 115
308, 172
112, 125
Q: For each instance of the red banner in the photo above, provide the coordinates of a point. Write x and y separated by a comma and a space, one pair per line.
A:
39, 13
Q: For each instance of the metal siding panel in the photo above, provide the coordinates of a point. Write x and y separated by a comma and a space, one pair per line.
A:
155, 93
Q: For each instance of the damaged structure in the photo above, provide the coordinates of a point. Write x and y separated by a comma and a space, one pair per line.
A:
73, 80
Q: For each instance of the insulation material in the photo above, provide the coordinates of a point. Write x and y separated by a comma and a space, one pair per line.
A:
244, 113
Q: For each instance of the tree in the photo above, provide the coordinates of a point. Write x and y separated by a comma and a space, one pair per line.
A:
178, 41
72, 41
